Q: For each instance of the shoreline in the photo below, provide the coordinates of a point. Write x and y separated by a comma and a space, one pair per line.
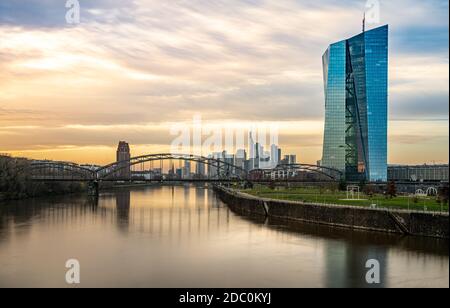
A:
412, 223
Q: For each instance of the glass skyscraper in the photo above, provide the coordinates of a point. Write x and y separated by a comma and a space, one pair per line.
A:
356, 106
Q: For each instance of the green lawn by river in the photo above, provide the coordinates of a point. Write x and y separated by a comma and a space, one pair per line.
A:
325, 196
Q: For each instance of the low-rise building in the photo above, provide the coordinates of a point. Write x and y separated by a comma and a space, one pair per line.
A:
419, 173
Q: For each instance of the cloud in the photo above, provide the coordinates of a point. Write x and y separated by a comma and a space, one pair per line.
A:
52, 13
152, 61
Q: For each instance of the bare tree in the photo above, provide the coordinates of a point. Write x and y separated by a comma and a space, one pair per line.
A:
391, 191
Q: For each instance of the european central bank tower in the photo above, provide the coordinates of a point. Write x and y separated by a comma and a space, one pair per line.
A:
356, 106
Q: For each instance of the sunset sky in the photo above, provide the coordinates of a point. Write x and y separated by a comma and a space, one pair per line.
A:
131, 69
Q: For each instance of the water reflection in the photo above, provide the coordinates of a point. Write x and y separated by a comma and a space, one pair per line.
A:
347, 252
123, 205
184, 236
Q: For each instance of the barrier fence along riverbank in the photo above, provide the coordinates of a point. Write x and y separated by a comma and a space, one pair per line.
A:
380, 220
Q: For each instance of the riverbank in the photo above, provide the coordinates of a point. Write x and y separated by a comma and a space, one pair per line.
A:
39, 190
15, 183
352, 217
326, 196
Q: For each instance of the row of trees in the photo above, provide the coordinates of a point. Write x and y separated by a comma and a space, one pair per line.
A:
15, 184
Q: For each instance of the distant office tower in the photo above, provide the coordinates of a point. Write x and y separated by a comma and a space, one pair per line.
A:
200, 170
252, 146
123, 159
289, 160
187, 170
179, 173
241, 154
241, 157
274, 159
229, 162
356, 91
292, 159
257, 156
213, 170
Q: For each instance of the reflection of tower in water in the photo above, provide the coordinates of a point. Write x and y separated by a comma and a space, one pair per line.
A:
346, 265
123, 209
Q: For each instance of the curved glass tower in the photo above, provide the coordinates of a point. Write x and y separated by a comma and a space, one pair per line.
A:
356, 106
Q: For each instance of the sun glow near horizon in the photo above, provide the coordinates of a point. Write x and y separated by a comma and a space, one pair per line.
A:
72, 92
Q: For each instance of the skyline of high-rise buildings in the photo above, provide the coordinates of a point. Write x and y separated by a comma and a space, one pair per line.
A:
237, 162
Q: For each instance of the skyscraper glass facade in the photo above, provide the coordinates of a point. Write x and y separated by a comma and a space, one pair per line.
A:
356, 106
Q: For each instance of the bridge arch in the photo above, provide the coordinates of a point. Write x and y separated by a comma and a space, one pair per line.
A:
221, 165
330, 173
56, 170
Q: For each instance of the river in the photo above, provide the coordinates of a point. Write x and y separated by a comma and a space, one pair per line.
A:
184, 236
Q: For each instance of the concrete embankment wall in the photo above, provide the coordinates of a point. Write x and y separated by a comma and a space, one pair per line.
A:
401, 222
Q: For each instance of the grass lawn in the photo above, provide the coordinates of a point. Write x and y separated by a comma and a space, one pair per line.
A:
324, 196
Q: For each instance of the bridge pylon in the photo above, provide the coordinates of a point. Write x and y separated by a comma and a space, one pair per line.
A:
93, 189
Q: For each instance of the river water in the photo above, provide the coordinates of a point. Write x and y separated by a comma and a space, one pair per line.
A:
184, 236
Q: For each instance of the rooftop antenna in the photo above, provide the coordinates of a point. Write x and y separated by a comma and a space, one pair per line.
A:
364, 23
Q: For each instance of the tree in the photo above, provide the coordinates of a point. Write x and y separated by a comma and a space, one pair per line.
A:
443, 192
333, 187
342, 185
369, 191
10, 183
15, 184
391, 191
363, 184
248, 185
272, 185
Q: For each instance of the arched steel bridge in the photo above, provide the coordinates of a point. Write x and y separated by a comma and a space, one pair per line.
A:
223, 170
63, 171
52, 170
291, 171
